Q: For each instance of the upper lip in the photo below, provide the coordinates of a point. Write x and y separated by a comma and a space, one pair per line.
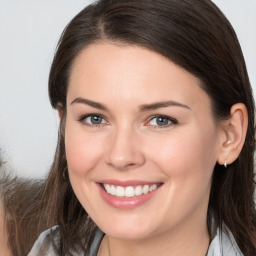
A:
126, 183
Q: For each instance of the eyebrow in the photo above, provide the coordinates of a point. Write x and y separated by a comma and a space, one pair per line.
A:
89, 103
157, 105
142, 108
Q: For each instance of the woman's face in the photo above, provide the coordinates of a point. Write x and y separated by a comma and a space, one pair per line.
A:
141, 141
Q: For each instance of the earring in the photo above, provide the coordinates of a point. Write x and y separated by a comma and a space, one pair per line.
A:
65, 173
226, 163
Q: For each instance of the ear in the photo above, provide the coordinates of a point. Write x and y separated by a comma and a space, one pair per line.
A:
60, 110
233, 134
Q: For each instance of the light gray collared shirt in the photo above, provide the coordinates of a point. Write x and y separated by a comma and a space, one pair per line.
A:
223, 244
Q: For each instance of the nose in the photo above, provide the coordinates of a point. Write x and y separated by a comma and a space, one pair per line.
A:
124, 151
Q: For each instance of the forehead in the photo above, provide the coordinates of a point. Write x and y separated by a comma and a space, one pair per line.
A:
123, 57
107, 71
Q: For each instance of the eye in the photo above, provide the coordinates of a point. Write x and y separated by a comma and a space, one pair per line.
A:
162, 121
93, 120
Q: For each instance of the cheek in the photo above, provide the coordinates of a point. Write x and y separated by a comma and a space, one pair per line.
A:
83, 151
187, 161
186, 154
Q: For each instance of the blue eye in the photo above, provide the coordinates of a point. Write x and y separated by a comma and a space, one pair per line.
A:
93, 120
162, 121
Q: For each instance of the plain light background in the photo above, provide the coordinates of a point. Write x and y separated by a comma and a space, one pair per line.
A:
29, 31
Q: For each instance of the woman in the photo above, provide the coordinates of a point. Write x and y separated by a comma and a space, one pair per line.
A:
156, 142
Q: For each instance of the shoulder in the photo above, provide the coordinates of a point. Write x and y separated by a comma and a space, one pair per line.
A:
224, 244
43, 245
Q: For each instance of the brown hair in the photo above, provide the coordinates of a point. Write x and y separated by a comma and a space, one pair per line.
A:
24, 217
195, 35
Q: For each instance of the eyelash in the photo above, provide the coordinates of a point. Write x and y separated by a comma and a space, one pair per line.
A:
83, 118
171, 121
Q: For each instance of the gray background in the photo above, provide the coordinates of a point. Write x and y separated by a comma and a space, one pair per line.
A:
29, 31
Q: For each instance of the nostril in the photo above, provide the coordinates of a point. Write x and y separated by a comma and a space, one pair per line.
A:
123, 165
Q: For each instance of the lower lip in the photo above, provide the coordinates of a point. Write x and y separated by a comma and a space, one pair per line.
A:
126, 202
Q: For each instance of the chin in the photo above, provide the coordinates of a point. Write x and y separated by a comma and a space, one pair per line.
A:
130, 234
128, 230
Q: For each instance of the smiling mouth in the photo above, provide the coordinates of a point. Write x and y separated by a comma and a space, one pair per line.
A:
129, 191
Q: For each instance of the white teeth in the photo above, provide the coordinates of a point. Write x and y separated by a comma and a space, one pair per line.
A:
108, 188
113, 190
129, 191
145, 189
119, 191
153, 187
138, 190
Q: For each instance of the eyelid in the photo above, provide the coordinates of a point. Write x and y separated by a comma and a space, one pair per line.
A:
171, 119
82, 118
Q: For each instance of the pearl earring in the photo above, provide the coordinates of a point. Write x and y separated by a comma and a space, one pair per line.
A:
226, 163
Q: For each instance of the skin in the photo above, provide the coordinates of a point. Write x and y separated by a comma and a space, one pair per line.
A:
130, 145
